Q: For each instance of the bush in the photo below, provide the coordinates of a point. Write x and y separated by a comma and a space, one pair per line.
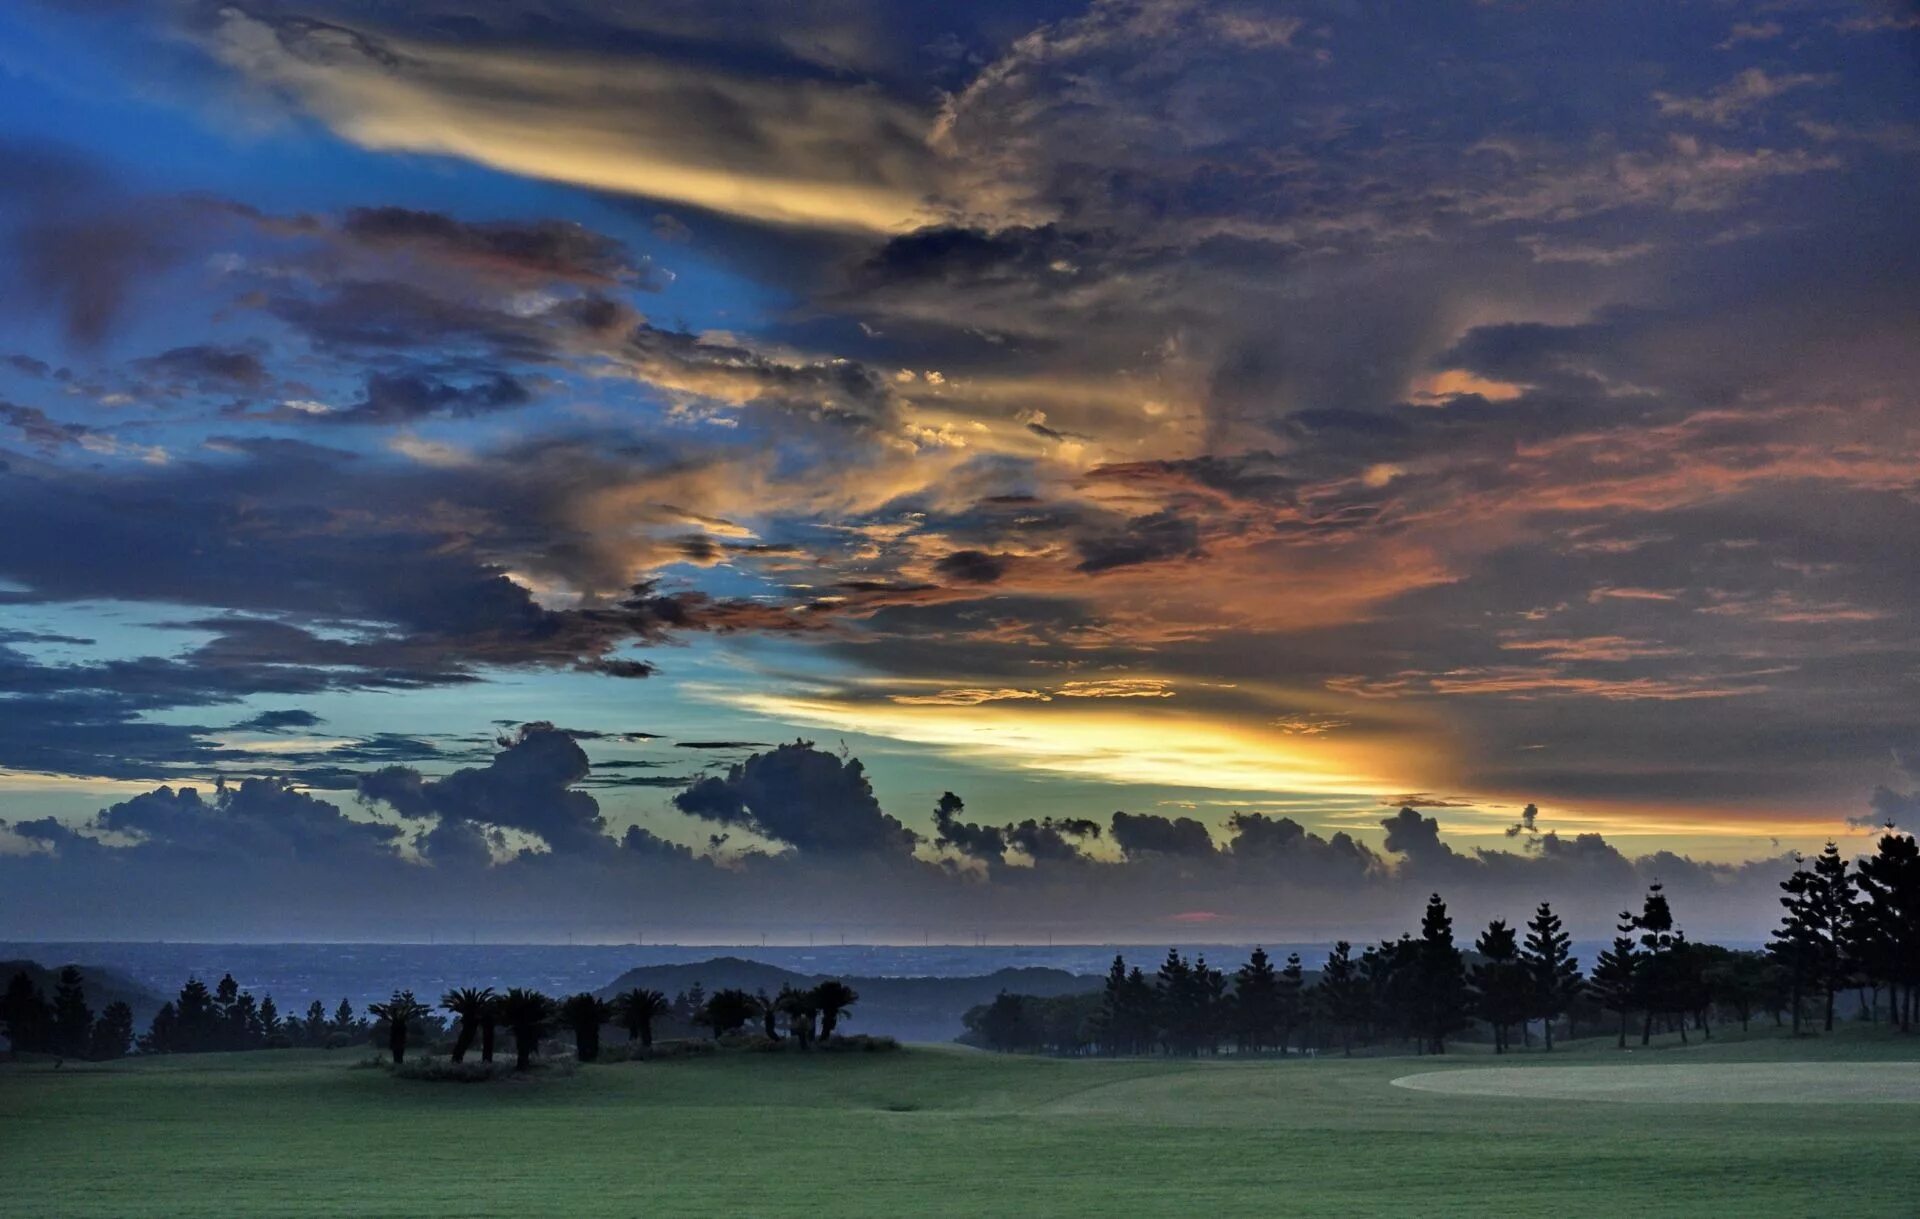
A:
867, 1043
630, 1052
447, 1071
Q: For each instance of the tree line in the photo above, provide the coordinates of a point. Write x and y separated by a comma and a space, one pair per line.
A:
1844, 928
227, 1018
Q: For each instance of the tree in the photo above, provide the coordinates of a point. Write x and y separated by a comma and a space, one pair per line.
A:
584, 1013
1256, 1002
833, 997
1551, 968
1813, 940
271, 1028
1440, 979
1291, 996
72, 1019
769, 1013
112, 1034
1342, 994
1004, 1023
472, 1007
343, 1021
399, 1012
1616, 980
1739, 982
1889, 921
25, 1016
636, 1010
798, 1005
1503, 989
315, 1025
1661, 969
196, 1028
528, 1014
726, 1011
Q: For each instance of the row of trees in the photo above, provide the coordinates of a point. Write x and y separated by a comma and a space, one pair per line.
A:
1417, 988
64, 1025
1844, 928
227, 1018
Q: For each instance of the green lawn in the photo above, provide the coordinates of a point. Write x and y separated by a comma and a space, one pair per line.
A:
934, 1131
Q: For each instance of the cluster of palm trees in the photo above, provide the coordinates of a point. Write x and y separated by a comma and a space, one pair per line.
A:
810, 1014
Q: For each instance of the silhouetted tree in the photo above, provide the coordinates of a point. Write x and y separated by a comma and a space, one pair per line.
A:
1342, 995
315, 1025
1503, 990
833, 997
801, 1009
1440, 979
584, 1013
769, 1013
25, 1016
1661, 971
1740, 982
272, 1030
1291, 996
1819, 923
636, 1010
1616, 980
1551, 968
343, 1021
473, 1008
1256, 1003
112, 1034
72, 1018
1888, 923
528, 1014
727, 1011
399, 1012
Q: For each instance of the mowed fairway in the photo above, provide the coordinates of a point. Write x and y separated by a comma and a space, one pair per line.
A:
936, 1131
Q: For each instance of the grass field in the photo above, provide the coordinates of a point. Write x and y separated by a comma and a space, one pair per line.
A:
938, 1131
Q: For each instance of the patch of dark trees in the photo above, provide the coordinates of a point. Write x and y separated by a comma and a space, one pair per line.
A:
1845, 929
227, 1018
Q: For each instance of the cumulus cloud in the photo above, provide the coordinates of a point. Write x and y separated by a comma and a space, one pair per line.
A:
803, 797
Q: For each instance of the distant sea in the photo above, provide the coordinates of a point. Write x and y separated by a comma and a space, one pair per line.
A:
296, 974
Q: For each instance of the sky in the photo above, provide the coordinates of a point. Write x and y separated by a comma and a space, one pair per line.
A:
1106, 470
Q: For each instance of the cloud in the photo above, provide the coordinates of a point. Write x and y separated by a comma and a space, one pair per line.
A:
529, 785
800, 796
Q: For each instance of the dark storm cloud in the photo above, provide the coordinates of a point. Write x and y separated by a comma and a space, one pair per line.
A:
280, 721
1144, 539
803, 797
206, 366
1139, 835
529, 785
972, 566
408, 397
548, 249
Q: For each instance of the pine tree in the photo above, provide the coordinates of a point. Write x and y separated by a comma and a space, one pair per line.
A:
1341, 993
1292, 1000
1256, 1003
1616, 980
271, 1029
1888, 929
25, 1016
1552, 969
195, 1030
343, 1018
1440, 979
1502, 988
72, 1018
112, 1034
1658, 973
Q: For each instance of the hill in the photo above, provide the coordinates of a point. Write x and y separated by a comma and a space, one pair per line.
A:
912, 1009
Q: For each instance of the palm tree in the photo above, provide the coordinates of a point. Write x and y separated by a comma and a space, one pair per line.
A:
769, 1014
584, 1013
472, 1008
799, 1007
637, 1010
833, 997
727, 1011
529, 1014
399, 1011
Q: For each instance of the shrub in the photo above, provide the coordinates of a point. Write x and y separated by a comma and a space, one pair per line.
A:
447, 1071
866, 1043
628, 1052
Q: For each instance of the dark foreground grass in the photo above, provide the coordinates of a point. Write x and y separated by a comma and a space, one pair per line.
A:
936, 1132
